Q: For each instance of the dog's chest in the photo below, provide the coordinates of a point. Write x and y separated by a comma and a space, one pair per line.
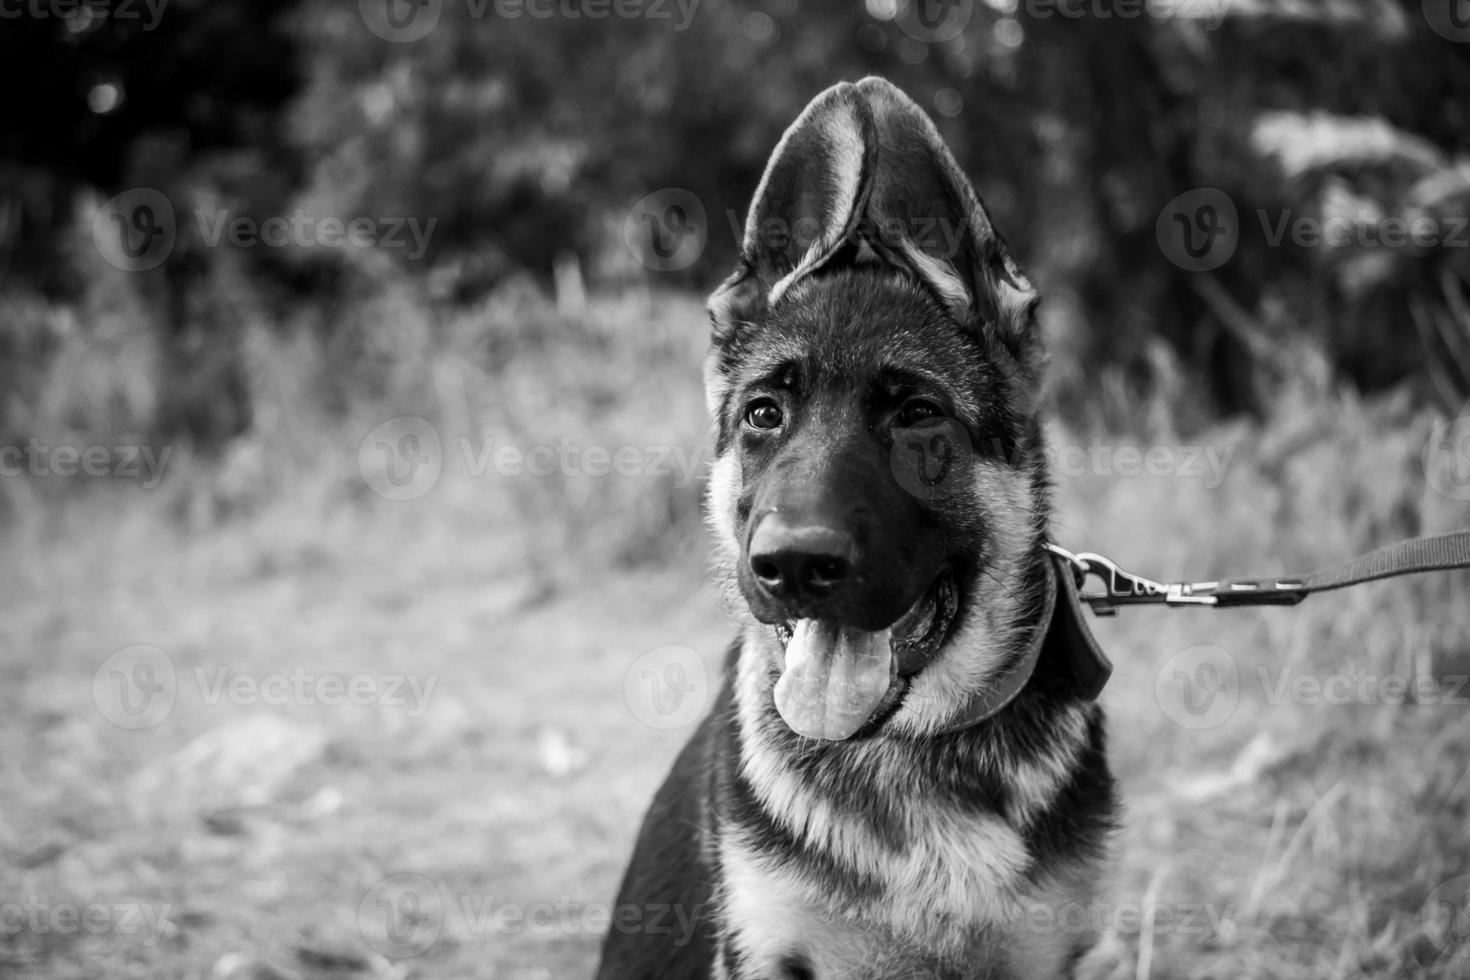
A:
783, 924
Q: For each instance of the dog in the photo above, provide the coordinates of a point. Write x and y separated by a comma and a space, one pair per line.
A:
904, 773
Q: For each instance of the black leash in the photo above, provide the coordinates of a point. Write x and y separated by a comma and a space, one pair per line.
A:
1121, 588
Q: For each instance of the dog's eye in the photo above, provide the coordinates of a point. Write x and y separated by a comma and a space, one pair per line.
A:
763, 414
917, 411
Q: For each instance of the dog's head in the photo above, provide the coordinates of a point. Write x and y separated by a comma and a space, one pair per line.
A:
879, 499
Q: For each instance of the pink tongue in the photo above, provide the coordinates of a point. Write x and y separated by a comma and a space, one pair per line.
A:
834, 680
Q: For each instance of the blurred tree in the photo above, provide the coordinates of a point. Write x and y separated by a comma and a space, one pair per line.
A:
526, 139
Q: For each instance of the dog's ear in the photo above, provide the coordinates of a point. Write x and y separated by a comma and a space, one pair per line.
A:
923, 213
807, 205
864, 166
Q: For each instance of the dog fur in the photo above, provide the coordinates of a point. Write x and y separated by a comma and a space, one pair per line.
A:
938, 840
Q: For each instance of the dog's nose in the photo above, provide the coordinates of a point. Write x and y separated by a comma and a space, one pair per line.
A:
800, 562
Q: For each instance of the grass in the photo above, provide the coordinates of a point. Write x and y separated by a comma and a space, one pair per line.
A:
1286, 839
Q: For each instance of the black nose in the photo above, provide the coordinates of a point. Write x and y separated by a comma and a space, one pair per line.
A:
800, 562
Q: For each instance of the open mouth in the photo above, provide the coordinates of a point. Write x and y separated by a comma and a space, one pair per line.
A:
837, 677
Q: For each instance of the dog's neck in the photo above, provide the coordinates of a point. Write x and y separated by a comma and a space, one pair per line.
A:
1061, 631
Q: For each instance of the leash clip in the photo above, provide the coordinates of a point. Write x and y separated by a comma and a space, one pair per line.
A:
1123, 588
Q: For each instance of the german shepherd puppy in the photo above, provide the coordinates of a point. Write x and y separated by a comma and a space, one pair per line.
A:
904, 775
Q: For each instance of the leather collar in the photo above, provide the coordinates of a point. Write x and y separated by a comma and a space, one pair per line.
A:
1062, 627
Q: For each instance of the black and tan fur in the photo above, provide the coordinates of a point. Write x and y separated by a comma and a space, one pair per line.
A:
920, 846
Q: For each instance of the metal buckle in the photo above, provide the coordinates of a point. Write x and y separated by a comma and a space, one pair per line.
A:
1123, 588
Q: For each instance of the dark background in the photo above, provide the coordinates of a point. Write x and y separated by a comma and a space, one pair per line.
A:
528, 139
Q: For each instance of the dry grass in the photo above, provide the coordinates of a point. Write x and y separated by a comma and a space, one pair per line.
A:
1288, 840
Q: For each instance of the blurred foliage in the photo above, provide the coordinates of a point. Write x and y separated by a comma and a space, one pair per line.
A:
527, 139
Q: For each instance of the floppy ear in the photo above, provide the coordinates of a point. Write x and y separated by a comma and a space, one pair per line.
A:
807, 204
923, 214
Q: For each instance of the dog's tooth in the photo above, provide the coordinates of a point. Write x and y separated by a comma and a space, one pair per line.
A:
835, 678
